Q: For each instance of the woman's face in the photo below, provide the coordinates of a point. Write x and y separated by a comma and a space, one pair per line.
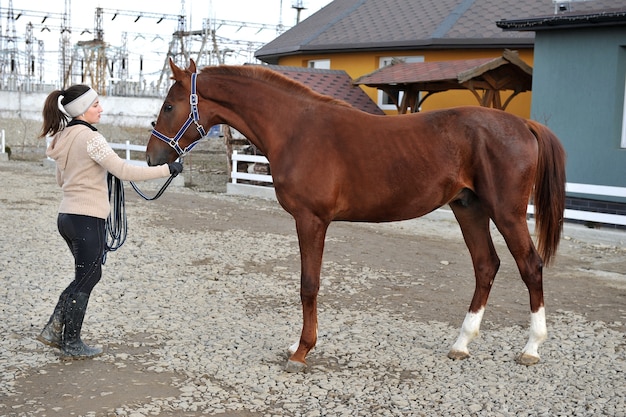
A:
92, 115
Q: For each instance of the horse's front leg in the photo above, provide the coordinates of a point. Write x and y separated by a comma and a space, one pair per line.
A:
311, 235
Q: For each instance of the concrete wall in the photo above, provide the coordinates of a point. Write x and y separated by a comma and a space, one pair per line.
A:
121, 111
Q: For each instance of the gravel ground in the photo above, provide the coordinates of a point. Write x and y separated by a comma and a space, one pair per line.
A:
196, 311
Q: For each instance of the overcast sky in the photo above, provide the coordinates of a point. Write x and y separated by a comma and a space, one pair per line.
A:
146, 37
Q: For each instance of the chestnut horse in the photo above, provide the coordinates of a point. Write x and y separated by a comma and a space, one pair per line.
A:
332, 162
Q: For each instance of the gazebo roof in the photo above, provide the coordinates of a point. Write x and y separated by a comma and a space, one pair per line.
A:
507, 72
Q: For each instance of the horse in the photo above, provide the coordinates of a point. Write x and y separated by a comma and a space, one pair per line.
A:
332, 162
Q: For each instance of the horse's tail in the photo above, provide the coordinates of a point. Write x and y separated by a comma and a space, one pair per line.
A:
549, 193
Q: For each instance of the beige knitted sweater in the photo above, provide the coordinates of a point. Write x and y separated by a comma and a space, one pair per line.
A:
83, 157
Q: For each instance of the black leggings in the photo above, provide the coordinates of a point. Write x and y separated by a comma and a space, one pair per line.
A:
85, 236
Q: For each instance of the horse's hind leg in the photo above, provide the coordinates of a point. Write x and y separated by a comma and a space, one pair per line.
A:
530, 266
474, 224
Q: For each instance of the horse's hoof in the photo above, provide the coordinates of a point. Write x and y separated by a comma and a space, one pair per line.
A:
295, 366
457, 355
526, 359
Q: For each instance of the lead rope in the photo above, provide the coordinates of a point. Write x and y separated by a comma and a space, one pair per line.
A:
163, 187
158, 194
116, 225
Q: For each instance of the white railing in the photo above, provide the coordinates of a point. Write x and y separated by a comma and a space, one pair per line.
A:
591, 216
3, 141
130, 147
258, 159
570, 214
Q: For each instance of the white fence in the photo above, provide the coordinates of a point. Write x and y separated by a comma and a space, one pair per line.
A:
591, 216
235, 187
587, 189
3, 156
130, 147
235, 175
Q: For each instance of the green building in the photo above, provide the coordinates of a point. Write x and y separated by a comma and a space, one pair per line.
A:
579, 91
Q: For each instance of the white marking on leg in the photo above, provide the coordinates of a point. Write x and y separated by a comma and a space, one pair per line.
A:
292, 349
469, 330
538, 333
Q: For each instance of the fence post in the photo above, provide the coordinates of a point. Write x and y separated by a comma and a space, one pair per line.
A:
233, 175
128, 150
2, 150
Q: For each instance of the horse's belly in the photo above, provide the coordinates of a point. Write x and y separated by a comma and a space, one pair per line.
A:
386, 211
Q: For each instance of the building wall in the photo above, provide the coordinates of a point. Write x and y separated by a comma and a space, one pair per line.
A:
579, 86
357, 64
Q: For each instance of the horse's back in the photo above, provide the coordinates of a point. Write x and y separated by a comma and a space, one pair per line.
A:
387, 168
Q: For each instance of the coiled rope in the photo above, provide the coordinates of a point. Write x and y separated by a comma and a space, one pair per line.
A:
116, 224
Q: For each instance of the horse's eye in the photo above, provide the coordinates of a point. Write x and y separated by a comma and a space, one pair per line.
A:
168, 107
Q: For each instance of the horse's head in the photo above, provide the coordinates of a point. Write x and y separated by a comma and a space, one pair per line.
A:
178, 124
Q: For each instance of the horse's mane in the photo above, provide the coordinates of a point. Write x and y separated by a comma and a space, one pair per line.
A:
261, 73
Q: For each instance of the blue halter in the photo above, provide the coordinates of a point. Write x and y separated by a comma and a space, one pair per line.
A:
192, 118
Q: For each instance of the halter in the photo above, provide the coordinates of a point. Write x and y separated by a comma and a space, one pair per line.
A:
192, 118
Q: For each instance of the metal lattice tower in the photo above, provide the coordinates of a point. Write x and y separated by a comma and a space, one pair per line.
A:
177, 50
212, 50
108, 69
65, 50
93, 57
40, 60
30, 55
122, 59
9, 65
116, 60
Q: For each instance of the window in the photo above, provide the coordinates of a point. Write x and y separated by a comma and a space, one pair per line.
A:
384, 101
319, 63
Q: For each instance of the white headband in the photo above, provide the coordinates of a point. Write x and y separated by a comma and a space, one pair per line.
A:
82, 103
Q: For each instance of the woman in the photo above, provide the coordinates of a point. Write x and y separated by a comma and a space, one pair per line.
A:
83, 157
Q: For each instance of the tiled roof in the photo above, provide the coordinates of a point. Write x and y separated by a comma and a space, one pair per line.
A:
334, 83
370, 25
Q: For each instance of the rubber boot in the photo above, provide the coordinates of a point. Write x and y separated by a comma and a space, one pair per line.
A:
73, 347
52, 333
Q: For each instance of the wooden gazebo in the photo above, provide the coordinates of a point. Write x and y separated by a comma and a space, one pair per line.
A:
486, 78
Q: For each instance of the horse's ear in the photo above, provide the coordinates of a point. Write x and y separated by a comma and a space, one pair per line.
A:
192, 65
176, 72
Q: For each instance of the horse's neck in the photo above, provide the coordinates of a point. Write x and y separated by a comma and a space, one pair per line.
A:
251, 107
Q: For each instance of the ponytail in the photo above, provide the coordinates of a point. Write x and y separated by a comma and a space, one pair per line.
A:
54, 120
